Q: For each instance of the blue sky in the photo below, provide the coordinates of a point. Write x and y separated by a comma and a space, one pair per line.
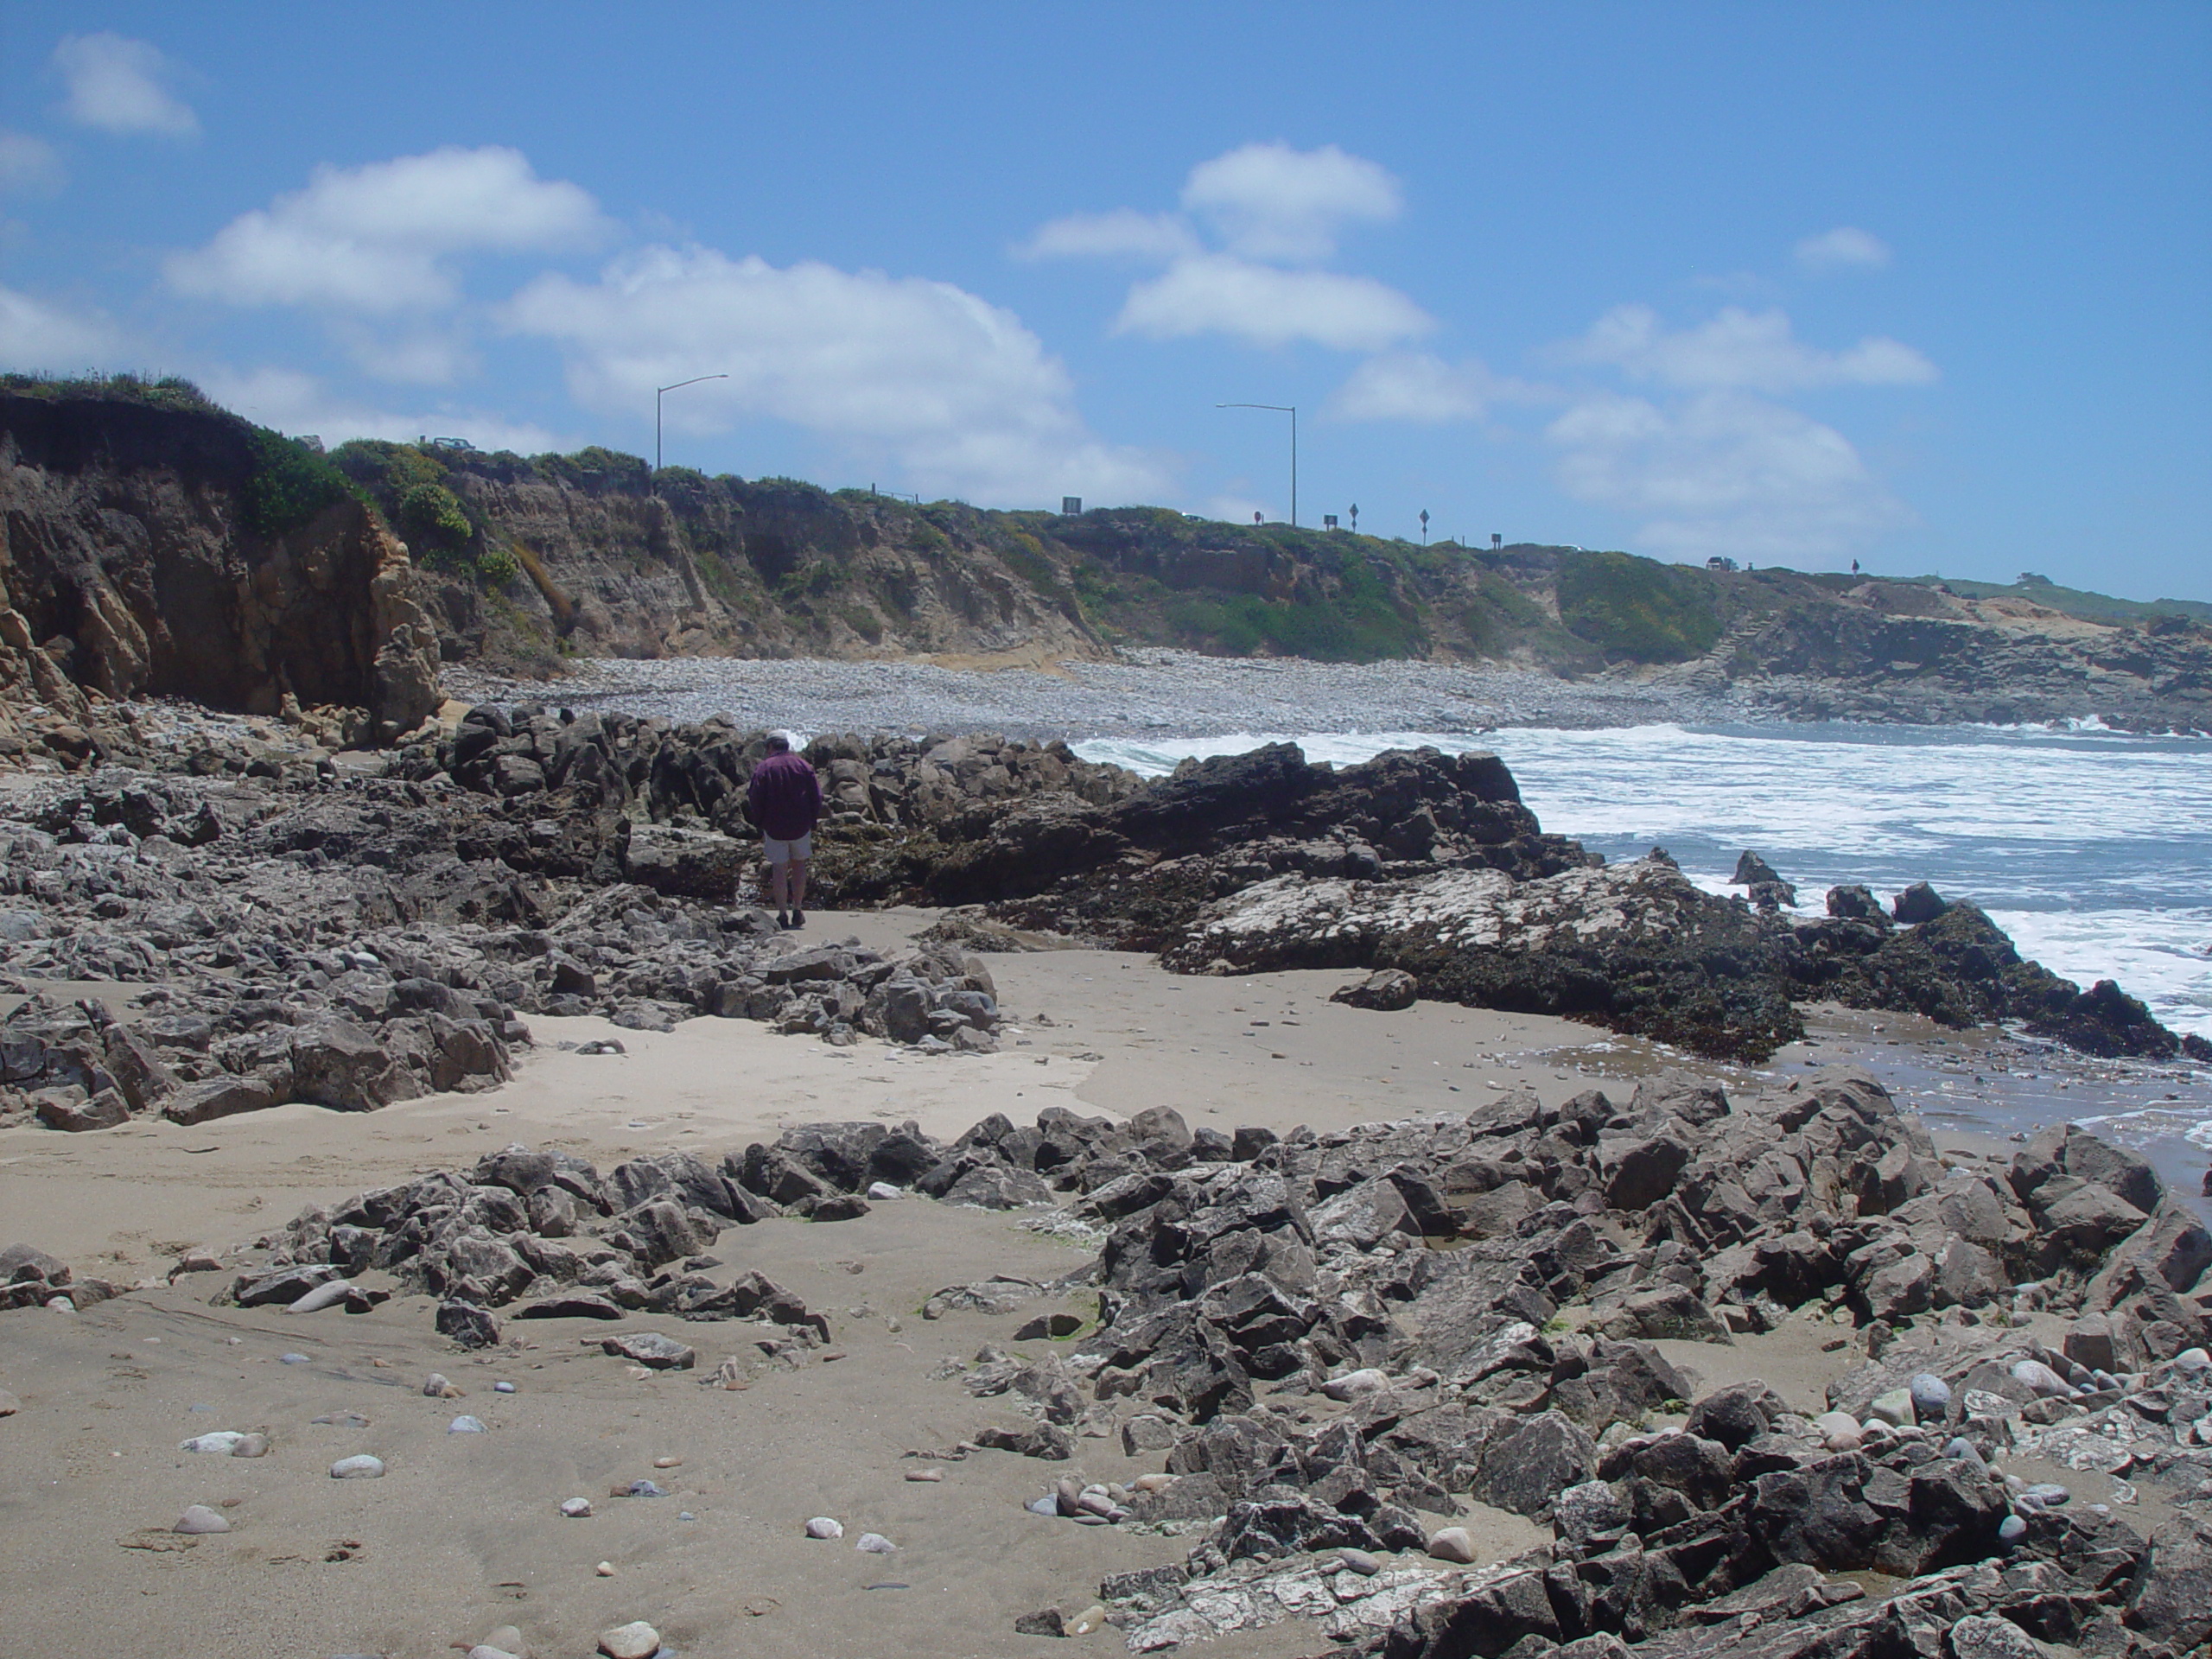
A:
1928, 287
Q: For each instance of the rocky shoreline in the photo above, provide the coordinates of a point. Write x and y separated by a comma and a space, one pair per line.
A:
1337, 1346
1331, 1362
352, 938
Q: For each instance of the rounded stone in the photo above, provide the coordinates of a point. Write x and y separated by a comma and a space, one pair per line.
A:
1090, 1618
636, 1640
1359, 1561
1931, 1395
1894, 1408
1452, 1544
198, 1518
253, 1444
465, 1425
824, 1526
502, 1388
1838, 1431
1043, 1506
1963, 1449
576, 1508
2048, 1494
223, 1442
2040, 1379
875, 1544
362, 1467
2012, 1529
1351, 1384
292, 1359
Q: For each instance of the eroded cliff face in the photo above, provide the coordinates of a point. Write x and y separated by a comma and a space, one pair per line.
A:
129, 566
690, 566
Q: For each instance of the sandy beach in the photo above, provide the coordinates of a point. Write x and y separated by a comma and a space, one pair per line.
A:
464, 1535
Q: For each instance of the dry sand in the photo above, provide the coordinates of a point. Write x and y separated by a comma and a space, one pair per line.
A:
463, 1535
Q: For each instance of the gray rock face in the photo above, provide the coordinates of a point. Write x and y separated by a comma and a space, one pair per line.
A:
2170, 1600
1526, 1468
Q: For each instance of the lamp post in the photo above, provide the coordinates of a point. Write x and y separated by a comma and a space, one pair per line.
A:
658, 393
1290, 410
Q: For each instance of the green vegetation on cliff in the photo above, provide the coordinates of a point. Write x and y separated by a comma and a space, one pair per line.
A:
1636, 610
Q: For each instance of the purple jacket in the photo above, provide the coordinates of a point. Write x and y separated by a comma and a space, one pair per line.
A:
784, 798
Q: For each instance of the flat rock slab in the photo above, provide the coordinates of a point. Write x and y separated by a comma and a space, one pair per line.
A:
651, 1348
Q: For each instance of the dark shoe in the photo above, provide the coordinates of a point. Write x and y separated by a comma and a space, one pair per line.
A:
798, 918
783, 920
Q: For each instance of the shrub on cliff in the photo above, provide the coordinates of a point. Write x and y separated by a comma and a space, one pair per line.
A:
289, 483
1636, 610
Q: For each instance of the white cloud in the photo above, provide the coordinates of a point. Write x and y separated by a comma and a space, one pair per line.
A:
115, 85
28, 164
1215, 293
1269, 201
1753, 350
1725, 472
1847, 247
381, 238
1124, 233
412, 357
301, 404
1416, 386
921, 373
36, 337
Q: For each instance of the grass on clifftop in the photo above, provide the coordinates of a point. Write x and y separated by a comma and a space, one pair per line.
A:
170, 391
1637, 610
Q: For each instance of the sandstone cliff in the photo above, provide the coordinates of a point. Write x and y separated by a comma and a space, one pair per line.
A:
153, 543
168, 551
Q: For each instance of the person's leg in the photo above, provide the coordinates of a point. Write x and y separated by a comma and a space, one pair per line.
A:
778, 880
798, 869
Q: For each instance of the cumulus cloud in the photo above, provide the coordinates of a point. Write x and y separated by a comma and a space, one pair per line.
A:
921, 373
1262, 203
1269, 201
1752, 351
1124, 232
301, 404
1217, 293
115, 85
382, 238
27, 164
1417, 386
1724, 472
1845, 248
37, 337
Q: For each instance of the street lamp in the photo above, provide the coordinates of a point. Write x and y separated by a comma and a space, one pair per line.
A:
657, 391
1290, 410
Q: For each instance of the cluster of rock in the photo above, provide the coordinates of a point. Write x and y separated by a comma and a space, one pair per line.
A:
31, 1277
545, 1235
354, 942
1326, 1334
1420, 863
311, 934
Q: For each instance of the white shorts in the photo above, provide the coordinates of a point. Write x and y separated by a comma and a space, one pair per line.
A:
783, 852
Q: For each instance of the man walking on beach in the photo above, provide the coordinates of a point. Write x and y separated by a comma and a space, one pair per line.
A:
784, 798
